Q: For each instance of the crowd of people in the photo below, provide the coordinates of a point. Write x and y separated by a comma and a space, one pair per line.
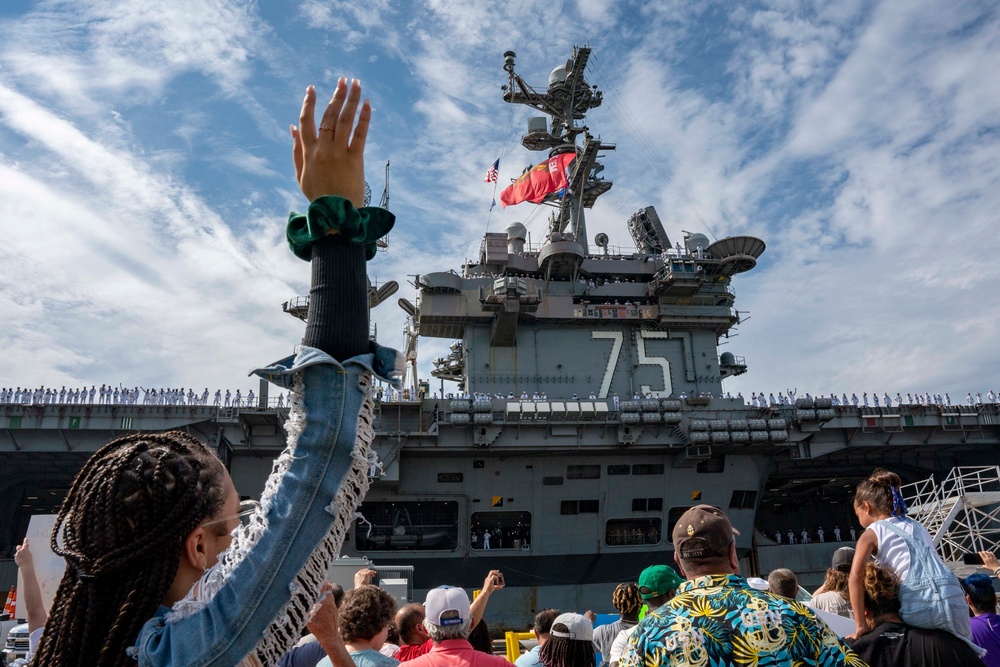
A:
906, 608
166, 566
120, 395
887, 401
108, 395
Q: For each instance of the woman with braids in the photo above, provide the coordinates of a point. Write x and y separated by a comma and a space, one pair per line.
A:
930, 595
627, 601
571, 642
891, 641
159, 569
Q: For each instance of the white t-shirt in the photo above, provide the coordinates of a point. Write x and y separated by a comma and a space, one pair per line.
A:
892, 550
33, 640
619, 644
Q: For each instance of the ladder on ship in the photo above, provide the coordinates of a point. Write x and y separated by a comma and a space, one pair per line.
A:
962, 513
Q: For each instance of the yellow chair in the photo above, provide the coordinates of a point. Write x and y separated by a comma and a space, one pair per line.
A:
514, 645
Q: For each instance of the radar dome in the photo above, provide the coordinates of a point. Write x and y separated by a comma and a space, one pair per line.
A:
516, 235
558, 75
727, 359
696, 240
516, 230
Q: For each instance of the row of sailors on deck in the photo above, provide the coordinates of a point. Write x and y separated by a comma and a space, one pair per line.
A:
886, 400
107, 395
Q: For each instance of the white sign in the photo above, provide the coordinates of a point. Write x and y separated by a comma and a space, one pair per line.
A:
48, 566
842, 625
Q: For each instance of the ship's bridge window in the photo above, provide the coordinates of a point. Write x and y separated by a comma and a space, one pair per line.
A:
567, 507
583, 472
631, 532
673, 516
743, 500
500, 530
407, 526
647, 469
647, 504
620, 469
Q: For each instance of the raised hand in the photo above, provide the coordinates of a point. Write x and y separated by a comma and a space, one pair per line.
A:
332, 162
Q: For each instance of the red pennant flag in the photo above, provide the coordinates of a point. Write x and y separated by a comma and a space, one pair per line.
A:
539, 181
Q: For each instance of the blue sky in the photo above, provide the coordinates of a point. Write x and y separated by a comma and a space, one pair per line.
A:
145, 175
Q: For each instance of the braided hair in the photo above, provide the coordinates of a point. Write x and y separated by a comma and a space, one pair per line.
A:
626, 598
121, 531
565, 652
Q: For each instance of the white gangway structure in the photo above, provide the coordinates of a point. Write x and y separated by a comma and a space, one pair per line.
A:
962, 513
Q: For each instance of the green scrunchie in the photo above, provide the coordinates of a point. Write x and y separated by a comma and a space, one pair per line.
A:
359, 226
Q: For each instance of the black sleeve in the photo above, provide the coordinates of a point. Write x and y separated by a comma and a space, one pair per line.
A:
338, 299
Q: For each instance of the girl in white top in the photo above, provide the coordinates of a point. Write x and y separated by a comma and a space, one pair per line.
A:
930, 594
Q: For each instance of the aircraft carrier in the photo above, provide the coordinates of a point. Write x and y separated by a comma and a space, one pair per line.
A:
587, 412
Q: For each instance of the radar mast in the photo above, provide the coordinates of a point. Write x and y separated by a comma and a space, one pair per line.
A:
566, 100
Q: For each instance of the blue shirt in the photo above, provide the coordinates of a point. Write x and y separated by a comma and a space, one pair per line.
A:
531, 658
366, 658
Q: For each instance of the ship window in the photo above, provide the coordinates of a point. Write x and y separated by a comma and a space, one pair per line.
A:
450, 477
578, 507
555, 480
715, 464
647, 504
583, 472
629, 532
407, 526
743, 500
507, 530
673, 516
647, 469
621, 469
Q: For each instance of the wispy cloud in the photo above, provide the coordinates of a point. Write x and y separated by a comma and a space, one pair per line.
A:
857, 139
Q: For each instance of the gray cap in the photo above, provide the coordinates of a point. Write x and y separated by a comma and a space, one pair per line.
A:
843, 558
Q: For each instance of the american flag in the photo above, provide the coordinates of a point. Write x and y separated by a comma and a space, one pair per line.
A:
491, 175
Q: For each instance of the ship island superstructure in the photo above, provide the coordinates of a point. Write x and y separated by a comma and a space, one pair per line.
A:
587, 413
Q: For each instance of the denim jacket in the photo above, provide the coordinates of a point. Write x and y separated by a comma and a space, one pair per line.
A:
298, 516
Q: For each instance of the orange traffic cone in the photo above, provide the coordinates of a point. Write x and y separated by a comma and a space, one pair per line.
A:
13, 604
8, 608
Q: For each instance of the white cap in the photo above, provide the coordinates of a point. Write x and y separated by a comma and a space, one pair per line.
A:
758, 583
447, 599
577, 627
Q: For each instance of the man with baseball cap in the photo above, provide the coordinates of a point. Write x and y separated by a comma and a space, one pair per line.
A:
717, 618
412, 630
448, 621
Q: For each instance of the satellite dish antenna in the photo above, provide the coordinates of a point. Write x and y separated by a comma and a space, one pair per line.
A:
601, 240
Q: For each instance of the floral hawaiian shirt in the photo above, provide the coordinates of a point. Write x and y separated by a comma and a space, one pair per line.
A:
719, 620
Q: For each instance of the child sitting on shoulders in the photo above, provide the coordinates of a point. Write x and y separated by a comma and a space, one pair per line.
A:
930, 594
